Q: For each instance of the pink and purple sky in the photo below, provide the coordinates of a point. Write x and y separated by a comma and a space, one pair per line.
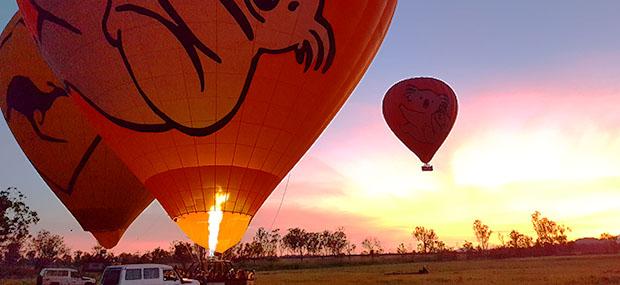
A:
539, 92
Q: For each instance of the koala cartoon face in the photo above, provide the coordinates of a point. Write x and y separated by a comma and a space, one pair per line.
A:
300, 25
422, 100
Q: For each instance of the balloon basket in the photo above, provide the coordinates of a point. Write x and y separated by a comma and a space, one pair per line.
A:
427, 168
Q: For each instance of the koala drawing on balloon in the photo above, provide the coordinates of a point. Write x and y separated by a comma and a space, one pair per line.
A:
310, 38
426, 113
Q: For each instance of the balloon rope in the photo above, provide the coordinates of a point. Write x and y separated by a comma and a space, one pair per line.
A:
281, 201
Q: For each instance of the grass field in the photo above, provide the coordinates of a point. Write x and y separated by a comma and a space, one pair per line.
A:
602, 269
595, 269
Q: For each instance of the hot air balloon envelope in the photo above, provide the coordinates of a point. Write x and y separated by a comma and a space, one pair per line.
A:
94, 185
210, 102
421, 113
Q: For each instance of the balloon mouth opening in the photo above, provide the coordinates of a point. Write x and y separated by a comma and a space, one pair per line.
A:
201, 228
108, 239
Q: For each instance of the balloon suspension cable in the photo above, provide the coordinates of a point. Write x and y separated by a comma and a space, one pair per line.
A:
427, 167
281, 202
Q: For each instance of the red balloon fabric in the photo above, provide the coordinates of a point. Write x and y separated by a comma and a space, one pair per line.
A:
421, 112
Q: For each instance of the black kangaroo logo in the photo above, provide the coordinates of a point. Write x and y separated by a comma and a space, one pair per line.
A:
26, 98
318, 43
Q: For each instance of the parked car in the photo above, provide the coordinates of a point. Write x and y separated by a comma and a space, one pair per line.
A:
63, 276
143, 274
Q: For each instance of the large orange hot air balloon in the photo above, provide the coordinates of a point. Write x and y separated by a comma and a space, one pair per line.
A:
421, 112
210, 102
94, 185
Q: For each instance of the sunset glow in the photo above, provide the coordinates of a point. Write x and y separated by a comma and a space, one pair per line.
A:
537, 130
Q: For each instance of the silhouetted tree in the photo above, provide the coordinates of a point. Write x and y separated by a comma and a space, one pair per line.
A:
548, 231
15, 220
296, 241
502, 242
47, 248
13, 253
100, 254
314, 243
349, 248
371, 246
468, 246
482, 233
440, 246
336, 242
159, 255
428, 241
402, 249
236, 252
519, 240
129, 258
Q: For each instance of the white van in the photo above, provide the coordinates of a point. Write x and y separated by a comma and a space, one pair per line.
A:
143, 274
62, 276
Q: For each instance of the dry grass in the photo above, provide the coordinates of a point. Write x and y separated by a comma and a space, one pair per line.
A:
578, 270
547, 270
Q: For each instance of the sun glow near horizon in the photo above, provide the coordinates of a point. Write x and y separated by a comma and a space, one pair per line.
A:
500, 164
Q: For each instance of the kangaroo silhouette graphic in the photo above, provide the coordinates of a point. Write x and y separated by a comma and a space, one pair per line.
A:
26, 98
316, 49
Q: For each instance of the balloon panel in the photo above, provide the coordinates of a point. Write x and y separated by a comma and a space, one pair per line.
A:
202, 95
94, 185
421, 112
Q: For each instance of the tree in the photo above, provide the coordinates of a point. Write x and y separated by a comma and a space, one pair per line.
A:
372, 246
296, 241
482, 234
502, 242
159, 255
518, 240
314, 244
265, 243
401, 249
13, 253
468, 246
334, 243
100, 254
188, 255
47, 248
128, 258
548, 231
427, 239
439, 246
15, 220
349, 248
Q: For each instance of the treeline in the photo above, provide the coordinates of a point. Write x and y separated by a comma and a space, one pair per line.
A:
296, 242
20, 249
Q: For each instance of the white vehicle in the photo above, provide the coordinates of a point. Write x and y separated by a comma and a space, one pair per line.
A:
62, 276
143, 274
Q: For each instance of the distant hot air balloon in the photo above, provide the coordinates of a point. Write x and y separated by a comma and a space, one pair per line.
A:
210, 102
421, 112
94, 185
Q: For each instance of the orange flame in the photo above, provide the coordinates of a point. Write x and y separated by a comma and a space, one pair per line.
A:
215, 219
